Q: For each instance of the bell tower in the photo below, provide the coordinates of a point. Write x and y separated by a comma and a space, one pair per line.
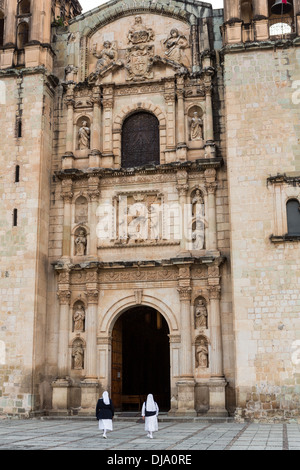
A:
26, 28
27, 96
261, 87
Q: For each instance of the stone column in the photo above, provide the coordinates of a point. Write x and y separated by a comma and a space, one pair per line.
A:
232, 10
63, 342
186, 384
170, 98
210, 150
182, 188
107, 147
70, 120
94, 158
93, 193
181, 139
36, 21
67, 195
297, 8
210, 213
10, 23
233, 22
60, 387
90, 385
46, 32
260, 17
217, 382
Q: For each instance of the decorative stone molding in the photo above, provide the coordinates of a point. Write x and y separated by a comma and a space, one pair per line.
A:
64, 297
185, 293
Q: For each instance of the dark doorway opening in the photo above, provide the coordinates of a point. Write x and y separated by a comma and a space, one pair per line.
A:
140, 140
140, 359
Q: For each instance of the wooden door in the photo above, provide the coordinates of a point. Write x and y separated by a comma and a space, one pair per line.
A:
116, 375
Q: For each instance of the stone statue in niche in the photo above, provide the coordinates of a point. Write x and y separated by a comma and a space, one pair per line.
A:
198, 228
79, 318
201, 314
197, 203
174, 45
196, 127
78, 356
84, 136
80, 243
202, 354
106, 56
139, 33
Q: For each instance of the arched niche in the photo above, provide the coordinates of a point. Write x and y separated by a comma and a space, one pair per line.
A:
80, 241
78, 317
78, 354
202, 352
83, 133
195, 125
200, 313
81, 210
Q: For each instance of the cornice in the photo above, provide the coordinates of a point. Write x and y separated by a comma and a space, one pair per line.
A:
190, 166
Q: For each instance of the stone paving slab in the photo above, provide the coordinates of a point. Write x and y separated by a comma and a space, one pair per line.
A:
172, 436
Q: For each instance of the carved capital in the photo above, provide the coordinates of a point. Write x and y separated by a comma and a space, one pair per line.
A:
211, 187
182, 189
170, 97
215, 292
70, 102
107, 103
67, 197
64, 297
92, 296
180, 93
185, 293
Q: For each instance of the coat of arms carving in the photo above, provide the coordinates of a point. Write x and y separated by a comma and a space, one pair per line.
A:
139, 56
139, 61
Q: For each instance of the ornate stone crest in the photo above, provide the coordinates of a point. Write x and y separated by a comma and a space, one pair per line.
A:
139, 61
139, 33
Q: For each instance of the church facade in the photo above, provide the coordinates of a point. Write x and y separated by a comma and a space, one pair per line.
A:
150, 223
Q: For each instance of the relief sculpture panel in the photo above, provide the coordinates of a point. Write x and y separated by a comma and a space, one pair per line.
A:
135, 48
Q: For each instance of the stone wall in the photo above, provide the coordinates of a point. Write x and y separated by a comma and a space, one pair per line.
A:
23, 248
262, 117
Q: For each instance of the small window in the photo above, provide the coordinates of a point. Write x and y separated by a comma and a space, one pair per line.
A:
1, 29
17, 174
15, 217
293, 217
19, 128
24, 7
23, 35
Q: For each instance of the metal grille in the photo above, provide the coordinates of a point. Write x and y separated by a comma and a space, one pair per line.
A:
140, 140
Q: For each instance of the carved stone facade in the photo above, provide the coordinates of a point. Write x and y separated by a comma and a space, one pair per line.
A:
124, 144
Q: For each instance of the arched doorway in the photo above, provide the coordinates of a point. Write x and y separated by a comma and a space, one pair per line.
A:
140, 140
140, 359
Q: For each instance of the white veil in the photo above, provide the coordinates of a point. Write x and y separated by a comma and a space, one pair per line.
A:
105, 398
150, 403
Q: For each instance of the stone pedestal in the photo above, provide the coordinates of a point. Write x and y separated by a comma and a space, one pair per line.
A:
95, 159
217, 398
89, 396
261, 30
186, 398
60, 394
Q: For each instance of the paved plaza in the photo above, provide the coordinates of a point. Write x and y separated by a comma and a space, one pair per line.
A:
129, 435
